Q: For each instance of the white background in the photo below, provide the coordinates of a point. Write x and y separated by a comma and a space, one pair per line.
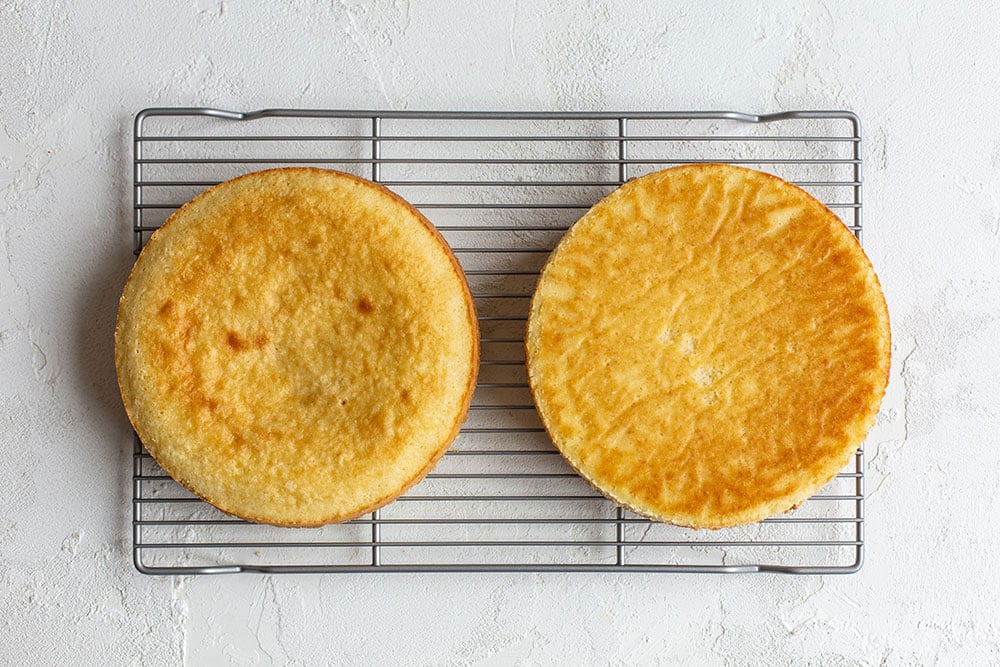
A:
923, 78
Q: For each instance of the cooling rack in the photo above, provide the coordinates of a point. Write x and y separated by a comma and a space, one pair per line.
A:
502, 188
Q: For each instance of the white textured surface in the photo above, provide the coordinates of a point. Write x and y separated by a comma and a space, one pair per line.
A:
923, 79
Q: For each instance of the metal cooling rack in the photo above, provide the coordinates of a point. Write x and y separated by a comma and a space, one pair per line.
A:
502, 188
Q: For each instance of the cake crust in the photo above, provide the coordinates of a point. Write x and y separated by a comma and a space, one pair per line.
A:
708, 346
297, 346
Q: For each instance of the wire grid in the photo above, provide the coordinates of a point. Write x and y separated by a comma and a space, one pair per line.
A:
502, 188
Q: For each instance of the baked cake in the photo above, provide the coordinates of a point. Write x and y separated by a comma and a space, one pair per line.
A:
708, 345
297, 346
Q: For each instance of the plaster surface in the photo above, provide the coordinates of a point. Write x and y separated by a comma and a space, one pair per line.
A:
922, 76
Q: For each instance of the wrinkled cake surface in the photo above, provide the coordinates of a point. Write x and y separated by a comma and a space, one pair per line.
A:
708, 345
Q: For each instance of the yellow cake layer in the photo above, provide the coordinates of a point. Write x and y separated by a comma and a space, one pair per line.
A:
708, 345
297, 346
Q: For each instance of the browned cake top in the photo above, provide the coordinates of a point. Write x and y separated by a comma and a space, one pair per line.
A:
297, 346
708, 345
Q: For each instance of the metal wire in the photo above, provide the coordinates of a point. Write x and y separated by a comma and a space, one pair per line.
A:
501, 187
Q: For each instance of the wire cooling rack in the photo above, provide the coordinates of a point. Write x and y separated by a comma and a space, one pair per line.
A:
502, 188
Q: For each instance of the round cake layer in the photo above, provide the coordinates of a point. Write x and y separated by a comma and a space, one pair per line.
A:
297, 346
708, 345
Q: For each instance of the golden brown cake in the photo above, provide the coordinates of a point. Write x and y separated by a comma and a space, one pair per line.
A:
297, 346
708, 345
